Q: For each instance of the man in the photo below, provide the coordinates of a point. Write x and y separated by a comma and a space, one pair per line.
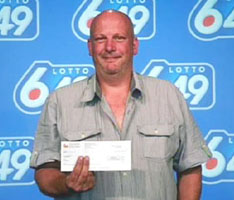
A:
118, 104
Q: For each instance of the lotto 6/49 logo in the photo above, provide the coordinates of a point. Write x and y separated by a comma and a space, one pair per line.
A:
19, 20
15, 153
195, 80
212, 19
42, 78
220, 168
141, 12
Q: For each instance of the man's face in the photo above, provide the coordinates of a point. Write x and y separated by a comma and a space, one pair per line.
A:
112, 44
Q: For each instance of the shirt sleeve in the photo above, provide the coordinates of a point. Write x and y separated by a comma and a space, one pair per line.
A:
193, 150
47, 140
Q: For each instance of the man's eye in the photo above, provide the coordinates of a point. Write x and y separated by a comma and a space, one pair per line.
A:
99, 39
120, 38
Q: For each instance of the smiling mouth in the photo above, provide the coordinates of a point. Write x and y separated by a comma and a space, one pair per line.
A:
111, 59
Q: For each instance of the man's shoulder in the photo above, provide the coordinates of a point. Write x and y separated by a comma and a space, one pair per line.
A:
76, 86
153, 82
71, 92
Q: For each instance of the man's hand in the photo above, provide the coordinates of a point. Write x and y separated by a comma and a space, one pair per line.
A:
81, 179
54, 183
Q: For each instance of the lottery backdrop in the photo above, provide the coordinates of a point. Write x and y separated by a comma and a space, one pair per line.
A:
43, 47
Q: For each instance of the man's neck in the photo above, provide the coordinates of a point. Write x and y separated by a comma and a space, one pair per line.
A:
112, 85
116, 94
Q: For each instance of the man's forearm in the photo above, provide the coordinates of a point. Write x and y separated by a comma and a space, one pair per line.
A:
52, 182
190, 184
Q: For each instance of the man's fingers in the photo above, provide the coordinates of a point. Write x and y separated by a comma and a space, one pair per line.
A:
79, 165
89, 184
84, 171
74, 176
85, 168
81, 179
77, 169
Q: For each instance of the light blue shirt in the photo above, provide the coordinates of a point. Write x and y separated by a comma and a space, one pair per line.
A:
157, 120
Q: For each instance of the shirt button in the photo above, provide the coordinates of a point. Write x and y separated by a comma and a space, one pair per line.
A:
156, 131
125, 173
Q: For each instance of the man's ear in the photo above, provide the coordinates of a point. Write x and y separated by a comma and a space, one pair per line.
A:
90, 47
135, 46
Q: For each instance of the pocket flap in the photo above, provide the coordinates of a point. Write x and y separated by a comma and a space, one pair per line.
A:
156, 130
81, 135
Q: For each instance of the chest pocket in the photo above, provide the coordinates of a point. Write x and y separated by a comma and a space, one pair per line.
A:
158, 141
85, 135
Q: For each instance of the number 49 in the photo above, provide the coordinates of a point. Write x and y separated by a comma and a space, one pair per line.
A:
21, 17
15, 159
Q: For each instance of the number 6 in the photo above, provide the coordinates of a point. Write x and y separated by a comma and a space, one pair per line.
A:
208, 12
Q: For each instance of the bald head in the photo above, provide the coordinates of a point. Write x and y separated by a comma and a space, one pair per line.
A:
115, 15
112, 45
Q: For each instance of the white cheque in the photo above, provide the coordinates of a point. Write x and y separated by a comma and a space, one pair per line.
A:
104, 155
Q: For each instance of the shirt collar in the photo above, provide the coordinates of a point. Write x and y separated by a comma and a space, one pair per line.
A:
136, 87
93, 89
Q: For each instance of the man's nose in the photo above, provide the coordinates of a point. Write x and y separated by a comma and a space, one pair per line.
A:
110, 45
